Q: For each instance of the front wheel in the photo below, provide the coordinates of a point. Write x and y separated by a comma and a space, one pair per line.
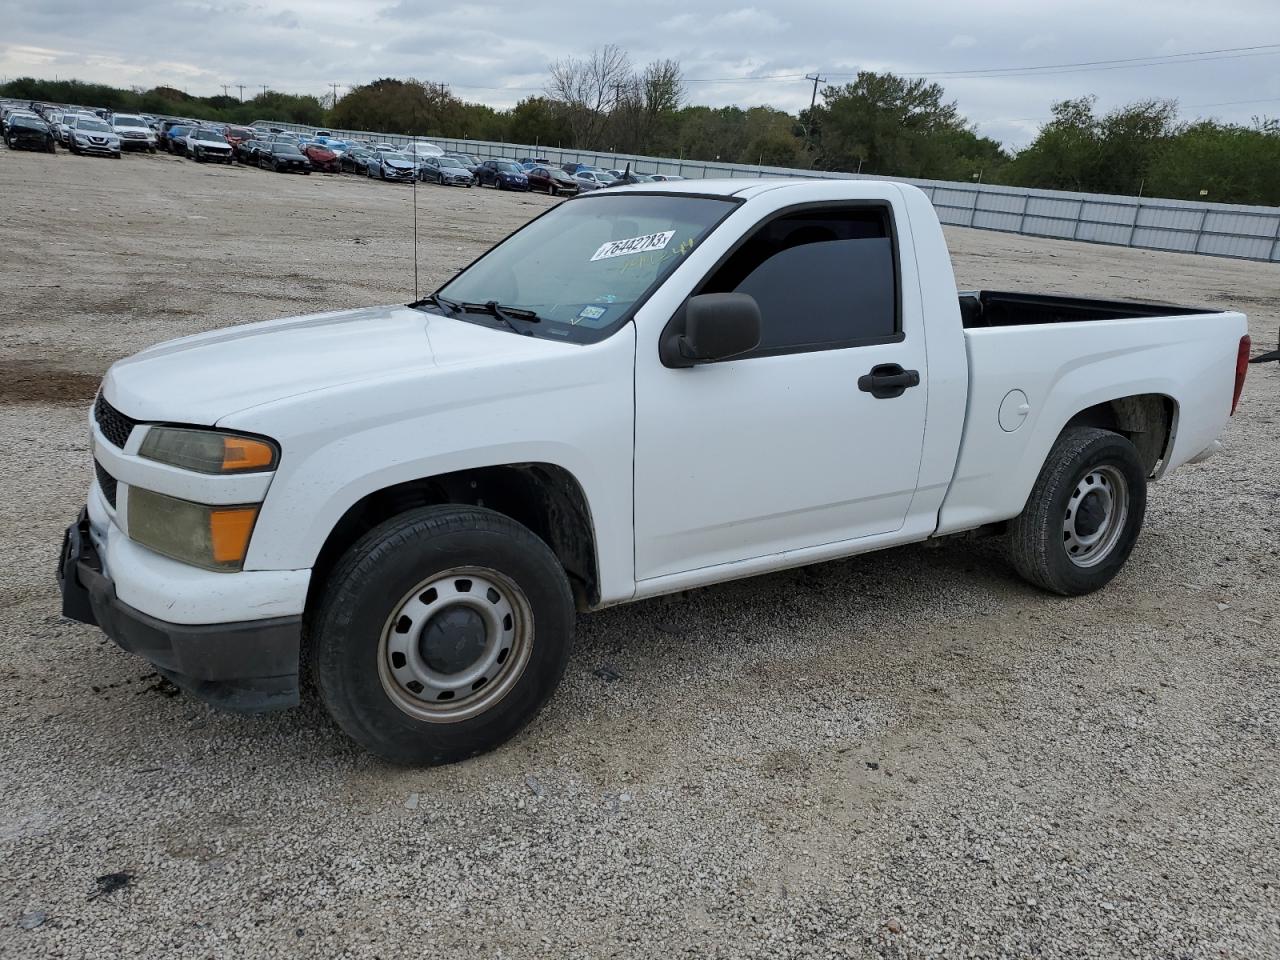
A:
1084, 513
442, 633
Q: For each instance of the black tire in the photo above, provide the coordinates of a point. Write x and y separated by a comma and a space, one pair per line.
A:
1040, 539
391, 563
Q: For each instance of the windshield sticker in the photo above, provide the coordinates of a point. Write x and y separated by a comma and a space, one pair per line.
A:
588, 314
623, 248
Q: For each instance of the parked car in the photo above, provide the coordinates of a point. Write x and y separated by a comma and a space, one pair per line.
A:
528, 163
133, 132
420, 149
246, 151
322, 158
237, 135
162, 135
388, 165
502, 174
355, 160
468, 161
445, 171
69, 122
29, 133
283, 158
592, 180
62, 129
176, 140
91, 135
207, 144
575, 168
664, 177
12, 114
552, 180
439, 581
339, 147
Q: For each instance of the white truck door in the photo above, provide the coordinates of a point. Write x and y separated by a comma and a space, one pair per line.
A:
813, 438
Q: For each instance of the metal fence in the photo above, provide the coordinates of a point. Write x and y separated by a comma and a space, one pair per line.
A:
1216, 229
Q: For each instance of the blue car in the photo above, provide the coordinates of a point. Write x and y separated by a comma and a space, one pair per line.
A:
503, 175
175, 139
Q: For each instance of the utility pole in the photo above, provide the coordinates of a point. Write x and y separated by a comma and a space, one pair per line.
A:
224, 89
813, 102
241, 86
335, 96
617, 95
264, 89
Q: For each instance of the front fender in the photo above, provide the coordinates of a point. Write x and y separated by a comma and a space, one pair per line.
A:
574, 410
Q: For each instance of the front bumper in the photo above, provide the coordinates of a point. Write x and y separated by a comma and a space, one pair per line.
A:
104, 149
136, 143
248, 667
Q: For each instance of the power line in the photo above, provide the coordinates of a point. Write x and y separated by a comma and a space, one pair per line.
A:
1159, 57
1118, 66
1227, 53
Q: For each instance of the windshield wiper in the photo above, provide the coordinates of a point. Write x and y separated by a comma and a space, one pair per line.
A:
495, 309
439, 301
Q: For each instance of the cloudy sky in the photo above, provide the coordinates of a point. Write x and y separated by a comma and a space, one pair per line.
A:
497, 51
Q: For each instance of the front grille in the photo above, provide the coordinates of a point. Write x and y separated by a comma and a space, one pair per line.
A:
115, 426
107, 483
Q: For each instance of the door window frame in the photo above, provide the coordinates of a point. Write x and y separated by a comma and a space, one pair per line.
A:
676, 325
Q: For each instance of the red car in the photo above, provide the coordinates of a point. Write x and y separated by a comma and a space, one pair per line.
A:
322, 158
238, 135
553, 180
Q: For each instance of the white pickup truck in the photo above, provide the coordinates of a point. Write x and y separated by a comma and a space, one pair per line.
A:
643, 390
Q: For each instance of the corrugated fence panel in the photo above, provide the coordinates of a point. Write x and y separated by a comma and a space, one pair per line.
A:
1094, 232
1049, 227
1244, 224
1219, 229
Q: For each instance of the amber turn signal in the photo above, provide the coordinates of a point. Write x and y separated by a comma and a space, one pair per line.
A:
229, 532
244, 453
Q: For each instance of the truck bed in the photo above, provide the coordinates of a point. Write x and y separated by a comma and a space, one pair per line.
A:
996, 308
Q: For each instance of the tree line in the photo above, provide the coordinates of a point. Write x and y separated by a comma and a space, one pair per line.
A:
879, 123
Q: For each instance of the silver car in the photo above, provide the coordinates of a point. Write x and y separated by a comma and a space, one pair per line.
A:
592, 179
91, 135
134, 132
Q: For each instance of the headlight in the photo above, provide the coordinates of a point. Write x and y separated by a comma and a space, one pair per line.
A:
215, 538
208, 451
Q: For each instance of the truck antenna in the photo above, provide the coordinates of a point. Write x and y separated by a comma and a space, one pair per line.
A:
415, 209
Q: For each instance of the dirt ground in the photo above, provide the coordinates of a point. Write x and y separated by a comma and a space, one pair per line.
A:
907, 754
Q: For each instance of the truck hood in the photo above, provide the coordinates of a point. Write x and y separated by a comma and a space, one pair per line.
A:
204, 378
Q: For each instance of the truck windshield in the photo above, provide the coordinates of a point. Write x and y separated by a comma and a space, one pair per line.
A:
582, 266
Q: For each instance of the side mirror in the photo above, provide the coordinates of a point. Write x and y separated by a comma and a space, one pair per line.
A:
717, 326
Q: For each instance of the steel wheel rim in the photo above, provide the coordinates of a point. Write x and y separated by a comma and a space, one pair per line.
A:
424, 692
1095, 516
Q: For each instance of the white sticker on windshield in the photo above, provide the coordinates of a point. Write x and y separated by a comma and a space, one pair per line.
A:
623, 248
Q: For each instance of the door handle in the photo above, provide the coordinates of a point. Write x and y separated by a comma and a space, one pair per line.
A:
888, 380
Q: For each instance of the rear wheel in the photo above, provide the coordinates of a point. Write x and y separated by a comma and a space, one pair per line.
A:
1084, 513
442, 633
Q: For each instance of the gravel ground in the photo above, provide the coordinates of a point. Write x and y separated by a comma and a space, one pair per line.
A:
908, 754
